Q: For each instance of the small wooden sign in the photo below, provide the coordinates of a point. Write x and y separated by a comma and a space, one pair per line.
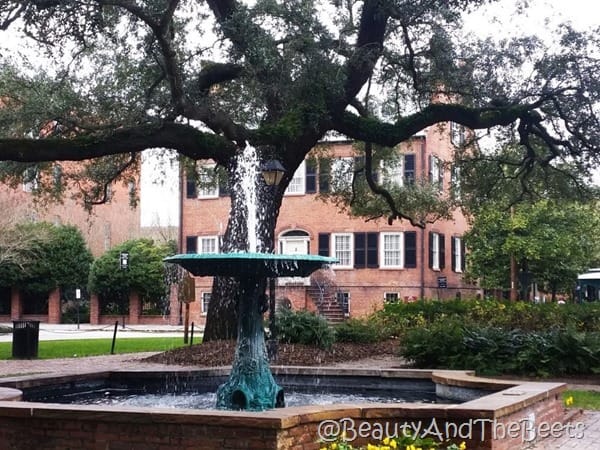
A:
187, 289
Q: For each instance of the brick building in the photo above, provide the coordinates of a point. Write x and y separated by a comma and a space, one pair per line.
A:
378, 262
105, 226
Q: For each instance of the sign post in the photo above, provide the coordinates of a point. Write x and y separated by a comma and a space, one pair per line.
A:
187, 294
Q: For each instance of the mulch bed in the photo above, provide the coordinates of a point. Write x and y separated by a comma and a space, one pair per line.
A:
220, 353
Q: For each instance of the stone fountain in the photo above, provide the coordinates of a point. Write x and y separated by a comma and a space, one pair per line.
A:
251, 385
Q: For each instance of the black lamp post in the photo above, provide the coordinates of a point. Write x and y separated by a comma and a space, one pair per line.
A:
272, 172
124, 265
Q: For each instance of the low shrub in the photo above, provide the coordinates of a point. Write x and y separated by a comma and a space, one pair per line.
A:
358, 331
399, 317
303, 327
494, 350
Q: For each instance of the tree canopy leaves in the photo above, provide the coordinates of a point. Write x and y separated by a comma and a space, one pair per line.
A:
205, 78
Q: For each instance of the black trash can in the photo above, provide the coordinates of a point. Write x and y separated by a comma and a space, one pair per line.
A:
26, 336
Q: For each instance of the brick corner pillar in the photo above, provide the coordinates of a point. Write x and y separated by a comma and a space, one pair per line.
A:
94, 309
54, 311
16, 305
135, 308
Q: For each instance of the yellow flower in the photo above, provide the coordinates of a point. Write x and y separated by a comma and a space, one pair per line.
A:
462, 445
333, 446
386, 440
393, 443
372, 447
569, 400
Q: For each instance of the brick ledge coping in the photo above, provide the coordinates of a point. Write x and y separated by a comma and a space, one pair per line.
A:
515, 397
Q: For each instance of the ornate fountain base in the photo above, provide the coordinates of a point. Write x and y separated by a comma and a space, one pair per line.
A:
251, 385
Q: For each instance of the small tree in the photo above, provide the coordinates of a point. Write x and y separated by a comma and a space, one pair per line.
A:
145, 274
551, 241
52, 256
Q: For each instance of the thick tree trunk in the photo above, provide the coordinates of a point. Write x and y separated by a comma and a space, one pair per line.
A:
222, 316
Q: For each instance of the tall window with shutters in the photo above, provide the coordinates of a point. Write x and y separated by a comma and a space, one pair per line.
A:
342, 250
392, 251
437, 254
458, 255
436, 172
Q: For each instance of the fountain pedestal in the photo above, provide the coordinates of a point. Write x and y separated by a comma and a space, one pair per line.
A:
251, 385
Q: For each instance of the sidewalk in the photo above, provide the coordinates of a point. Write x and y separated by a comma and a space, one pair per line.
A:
50, 332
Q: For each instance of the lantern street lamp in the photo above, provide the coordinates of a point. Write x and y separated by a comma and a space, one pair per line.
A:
272, 172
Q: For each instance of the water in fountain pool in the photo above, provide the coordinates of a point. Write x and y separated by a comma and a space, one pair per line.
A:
208, 400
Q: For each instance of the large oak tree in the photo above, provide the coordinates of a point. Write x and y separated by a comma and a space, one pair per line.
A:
204, 78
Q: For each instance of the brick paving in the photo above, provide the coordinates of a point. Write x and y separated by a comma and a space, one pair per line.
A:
584, 437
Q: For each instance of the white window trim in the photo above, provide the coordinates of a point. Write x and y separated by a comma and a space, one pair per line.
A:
30, 180
207, 238
298, 181
436, 170
203, 192
283, 281
341, 181
382, 264
396, 293
339, 301
334, 237
393, 175
457, 134
436, 251
458, 256
204, 310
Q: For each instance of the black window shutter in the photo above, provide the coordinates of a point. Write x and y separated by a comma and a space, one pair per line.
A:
311, 176
442, 242
360, 250
372, 250
324, 174
190, 188
431, 250
191, 244
409, 168
410, 249
431, 169
324, 244
453, 249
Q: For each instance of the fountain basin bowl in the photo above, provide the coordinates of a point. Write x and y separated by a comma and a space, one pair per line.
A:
248, 264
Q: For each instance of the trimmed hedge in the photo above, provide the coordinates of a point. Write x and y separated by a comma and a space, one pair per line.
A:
494, 350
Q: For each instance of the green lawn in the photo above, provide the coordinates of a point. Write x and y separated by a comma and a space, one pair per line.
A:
584, 399
73, 348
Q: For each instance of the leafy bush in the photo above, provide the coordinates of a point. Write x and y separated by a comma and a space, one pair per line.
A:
435, 346
52, 256
358, 331
493, 350
399, 317
303, 327
145, 273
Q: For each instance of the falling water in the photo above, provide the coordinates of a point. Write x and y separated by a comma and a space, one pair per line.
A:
247, 163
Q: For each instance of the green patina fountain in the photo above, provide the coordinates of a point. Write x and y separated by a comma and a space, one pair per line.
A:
251, 385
